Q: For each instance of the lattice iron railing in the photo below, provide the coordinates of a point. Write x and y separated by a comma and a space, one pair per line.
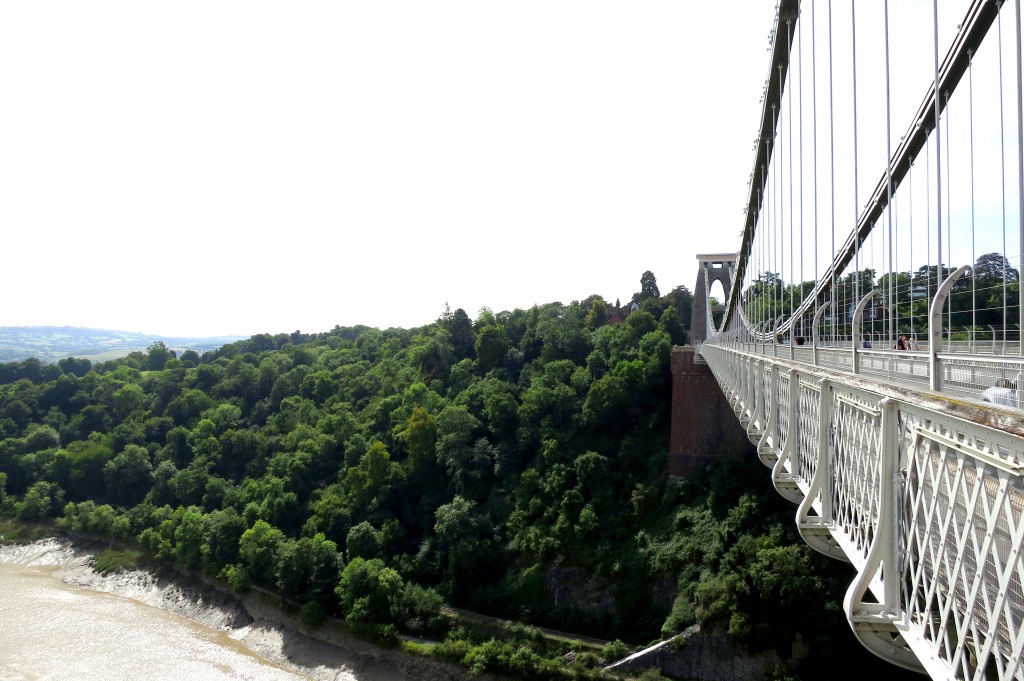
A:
926, 504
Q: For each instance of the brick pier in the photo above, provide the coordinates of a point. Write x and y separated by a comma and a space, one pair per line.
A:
702, 419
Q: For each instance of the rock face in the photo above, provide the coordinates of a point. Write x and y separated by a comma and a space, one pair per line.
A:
578, 588
708, 656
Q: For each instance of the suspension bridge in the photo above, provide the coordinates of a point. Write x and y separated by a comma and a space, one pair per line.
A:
867, 331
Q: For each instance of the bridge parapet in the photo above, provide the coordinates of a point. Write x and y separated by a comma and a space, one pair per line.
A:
925, 502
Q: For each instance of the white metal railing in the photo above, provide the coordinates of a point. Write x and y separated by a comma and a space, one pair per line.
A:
925, 501
985, 377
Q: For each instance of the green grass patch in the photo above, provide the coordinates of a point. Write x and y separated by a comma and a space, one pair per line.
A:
415, 648
18, 532
115, 560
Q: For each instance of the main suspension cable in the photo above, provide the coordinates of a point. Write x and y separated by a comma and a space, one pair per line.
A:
888, 177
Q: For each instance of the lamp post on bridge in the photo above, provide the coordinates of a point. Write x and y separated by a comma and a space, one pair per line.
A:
815, 335
858, 314
935, 327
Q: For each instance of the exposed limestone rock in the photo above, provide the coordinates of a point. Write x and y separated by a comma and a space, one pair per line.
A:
708, 656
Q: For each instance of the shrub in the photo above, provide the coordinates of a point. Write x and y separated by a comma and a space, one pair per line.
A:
236, 576
386, 634
115, 560
421, 608
453, 648
313, 614
680, 618
614, 650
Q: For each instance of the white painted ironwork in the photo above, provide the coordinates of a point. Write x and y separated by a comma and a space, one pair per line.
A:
935, 325
924, 501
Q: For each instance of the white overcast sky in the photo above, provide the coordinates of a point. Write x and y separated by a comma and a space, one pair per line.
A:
217, 168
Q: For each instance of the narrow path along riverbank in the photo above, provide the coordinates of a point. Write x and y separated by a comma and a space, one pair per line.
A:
326, 653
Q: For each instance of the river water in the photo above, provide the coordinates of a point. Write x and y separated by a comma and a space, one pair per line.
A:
53, 630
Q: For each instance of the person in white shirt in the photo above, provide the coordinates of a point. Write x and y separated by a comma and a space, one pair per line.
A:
1004, 392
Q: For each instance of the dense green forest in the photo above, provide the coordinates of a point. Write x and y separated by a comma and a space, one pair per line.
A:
514, 464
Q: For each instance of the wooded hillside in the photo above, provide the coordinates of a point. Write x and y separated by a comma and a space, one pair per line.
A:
513, 464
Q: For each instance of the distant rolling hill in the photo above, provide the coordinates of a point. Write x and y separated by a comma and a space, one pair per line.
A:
51, 343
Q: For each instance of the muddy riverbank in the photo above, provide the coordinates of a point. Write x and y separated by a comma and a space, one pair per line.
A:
254, 620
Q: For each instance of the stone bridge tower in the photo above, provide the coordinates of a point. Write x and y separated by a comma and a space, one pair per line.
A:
702, 419
719, 267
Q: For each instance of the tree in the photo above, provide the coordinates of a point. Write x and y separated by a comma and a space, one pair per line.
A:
127, 399
157, 356
188, 406
129, 475
370, 592
682, 300
363, 542
592, 474
491, 348
648, 287
225, 416
371, 482
325, 565
433, 354
42, 500
190, 358
189, 485
43, 437
190, 537
501, 411
597, 315
456, 431
79, 468
224, 529
672, 325
74, 366
853, 286
642, 323
257, 549
993, 267
421, 608
460, 327
420, 437
329, 514
292, 567
461, 532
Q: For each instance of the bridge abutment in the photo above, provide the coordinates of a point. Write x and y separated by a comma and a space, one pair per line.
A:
702, 419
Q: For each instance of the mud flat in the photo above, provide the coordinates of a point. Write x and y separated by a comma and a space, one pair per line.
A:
325, 653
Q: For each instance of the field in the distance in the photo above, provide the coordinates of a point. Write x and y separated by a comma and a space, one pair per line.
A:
51, 343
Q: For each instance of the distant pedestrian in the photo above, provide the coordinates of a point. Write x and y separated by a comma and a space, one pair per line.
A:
901, 344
